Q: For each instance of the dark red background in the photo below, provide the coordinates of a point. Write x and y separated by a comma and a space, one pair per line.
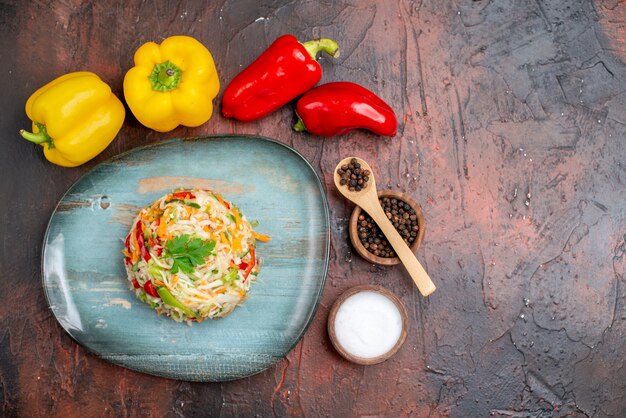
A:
512, 138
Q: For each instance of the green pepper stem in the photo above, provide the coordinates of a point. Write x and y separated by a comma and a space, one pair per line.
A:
323, 44
40, 137
299, 125
165, 76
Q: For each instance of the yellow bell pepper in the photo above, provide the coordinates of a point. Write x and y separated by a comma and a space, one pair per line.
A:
172, 84
75, 117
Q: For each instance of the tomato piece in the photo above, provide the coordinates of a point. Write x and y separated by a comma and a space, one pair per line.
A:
136, 284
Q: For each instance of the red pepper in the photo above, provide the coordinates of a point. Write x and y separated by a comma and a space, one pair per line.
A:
127, 246
249, 266
340, 107
136, 284
142, 246
183, 195
284, 71
149, 288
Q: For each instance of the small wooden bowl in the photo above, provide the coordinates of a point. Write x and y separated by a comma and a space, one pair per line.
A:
333, 314
354, 234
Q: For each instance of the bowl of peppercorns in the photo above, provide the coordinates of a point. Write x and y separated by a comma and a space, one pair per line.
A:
405, 215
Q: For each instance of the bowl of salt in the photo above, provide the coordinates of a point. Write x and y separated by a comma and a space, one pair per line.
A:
367, 324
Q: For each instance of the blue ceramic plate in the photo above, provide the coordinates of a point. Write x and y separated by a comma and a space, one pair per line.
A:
85, 281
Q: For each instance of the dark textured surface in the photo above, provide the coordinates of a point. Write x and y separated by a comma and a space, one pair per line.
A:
512, 137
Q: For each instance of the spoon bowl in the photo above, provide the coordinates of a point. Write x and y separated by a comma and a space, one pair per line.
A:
367, 199
353, 194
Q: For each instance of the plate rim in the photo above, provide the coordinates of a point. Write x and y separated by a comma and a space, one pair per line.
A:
210, 137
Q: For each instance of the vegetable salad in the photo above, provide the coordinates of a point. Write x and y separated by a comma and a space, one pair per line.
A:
191, 255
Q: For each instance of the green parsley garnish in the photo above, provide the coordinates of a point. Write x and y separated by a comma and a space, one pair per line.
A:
188, 252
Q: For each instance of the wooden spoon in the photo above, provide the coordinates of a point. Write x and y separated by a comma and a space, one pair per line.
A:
367, 199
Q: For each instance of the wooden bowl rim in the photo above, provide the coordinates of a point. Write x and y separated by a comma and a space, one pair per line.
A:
363, 252
333, 313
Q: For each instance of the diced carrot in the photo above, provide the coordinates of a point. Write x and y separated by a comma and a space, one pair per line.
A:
208, 229
159, 282
220, 290
236, 243
149, 216
222, 201
162, 226
260, 237
136, 253
174, 280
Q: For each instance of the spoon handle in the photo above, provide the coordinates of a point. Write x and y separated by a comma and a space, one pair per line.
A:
413, 266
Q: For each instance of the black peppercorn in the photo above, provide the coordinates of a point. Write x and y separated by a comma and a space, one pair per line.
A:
353, 176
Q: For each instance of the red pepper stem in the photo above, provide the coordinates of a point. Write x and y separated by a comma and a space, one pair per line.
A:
299, 125
40, 137
323, 44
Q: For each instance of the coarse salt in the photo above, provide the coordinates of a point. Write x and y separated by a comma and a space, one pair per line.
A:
368, 324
